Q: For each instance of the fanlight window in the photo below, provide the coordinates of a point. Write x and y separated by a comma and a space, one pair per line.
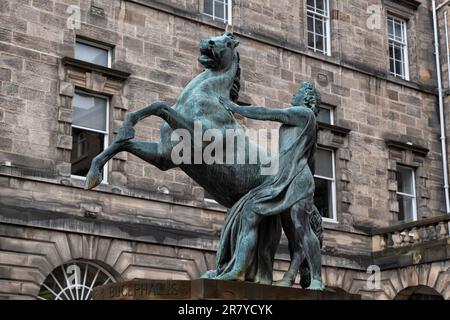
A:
74, 281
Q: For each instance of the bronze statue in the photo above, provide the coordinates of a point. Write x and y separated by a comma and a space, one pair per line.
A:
227, 183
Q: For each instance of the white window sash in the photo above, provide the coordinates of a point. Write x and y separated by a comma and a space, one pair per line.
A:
333, 188
89, 129
323, 177
331, 112
403, 44
225, 11
105, 133
413, 195
97, 45
313, 13
406, 194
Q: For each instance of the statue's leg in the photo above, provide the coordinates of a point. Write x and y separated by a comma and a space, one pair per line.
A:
295, 250
127, 131
160, 109
152, 152
245, 248
311, 245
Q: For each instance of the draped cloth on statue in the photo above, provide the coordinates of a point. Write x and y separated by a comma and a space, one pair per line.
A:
292, 183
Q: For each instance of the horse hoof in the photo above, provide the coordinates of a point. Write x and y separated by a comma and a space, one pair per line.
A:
283, 283
93, 179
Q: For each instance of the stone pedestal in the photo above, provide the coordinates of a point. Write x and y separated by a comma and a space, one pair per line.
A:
204, 289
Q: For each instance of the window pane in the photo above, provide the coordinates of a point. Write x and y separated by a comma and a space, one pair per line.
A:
323, 197
398, 68
311, 40
320, 43
324, 115
319, 26
398, 31
324, 163
208, 7
390, 28
85, 146
398, 53
310, 23
311, 4
392, 66
91, 54
320, 6
405, 182
89, 111
219, 10
406, 208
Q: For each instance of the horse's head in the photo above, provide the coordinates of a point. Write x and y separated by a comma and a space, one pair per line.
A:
217, 53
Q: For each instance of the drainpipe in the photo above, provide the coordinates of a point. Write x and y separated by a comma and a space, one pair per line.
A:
446, 47
230, 12
441, 106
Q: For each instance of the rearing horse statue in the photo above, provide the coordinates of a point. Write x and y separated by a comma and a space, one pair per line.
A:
199, 101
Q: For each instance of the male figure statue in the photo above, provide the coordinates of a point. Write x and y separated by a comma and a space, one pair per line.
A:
289, 193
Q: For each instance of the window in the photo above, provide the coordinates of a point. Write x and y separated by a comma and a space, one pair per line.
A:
74, 281
318, 21
406, 194
398, 48
217, 9
89, 131
93, 53
326, 114
324, 178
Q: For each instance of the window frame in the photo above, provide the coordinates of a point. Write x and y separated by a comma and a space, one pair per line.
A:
413, 196
327, 36
331, 109
98, 46
105, 133
333, 185
404, 46
226, 3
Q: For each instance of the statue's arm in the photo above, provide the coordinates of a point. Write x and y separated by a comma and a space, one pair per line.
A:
259, 113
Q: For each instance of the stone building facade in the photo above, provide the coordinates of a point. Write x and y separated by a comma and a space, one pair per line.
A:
152, 224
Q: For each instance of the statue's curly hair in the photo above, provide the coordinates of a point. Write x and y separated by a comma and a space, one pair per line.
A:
310, 95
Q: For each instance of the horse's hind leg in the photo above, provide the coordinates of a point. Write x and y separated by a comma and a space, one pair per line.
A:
151, 152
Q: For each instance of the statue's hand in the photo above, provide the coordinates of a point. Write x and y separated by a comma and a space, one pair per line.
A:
227, 104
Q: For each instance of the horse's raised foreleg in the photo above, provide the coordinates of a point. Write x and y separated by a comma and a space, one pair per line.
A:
152, 152
127, 131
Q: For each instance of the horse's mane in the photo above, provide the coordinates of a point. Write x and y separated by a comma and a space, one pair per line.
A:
234, 92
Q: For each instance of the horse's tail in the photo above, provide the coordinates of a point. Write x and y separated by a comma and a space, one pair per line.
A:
234, 92
315, 219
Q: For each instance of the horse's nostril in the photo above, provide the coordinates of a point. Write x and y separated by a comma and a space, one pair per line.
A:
211, 42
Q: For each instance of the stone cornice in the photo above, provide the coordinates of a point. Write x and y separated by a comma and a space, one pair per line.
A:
422, 151
333, 128
86, 66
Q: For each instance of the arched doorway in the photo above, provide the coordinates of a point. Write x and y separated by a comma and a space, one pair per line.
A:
419, 293
74, 280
